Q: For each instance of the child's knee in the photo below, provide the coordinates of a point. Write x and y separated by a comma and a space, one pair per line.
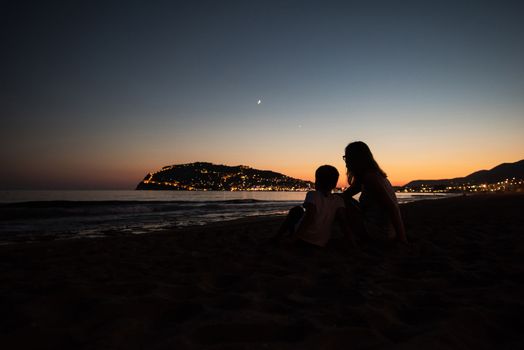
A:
296, 213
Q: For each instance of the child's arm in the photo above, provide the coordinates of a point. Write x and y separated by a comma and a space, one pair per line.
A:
309, 218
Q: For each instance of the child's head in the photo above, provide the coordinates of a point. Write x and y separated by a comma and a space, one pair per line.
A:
326, 178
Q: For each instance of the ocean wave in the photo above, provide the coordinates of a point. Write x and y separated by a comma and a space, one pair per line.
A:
53, 209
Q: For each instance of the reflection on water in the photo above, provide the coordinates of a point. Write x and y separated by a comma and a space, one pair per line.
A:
192, 196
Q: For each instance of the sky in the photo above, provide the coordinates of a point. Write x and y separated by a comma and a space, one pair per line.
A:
94, 95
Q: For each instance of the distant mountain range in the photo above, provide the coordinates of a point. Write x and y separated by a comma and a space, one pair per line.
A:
212, 177
499, 173
202, 176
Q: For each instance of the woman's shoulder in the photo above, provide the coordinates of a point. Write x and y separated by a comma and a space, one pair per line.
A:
373, 176
375, 180
376, 184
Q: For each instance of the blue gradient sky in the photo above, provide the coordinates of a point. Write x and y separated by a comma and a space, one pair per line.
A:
96, 95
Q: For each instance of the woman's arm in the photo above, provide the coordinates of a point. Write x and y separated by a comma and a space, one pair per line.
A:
353, 189
378, 188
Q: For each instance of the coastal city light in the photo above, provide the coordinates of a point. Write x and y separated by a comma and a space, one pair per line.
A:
507, 185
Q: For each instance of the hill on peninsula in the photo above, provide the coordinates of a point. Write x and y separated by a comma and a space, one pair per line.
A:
203, 176
499, 173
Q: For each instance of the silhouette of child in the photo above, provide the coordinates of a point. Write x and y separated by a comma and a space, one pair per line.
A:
310, 225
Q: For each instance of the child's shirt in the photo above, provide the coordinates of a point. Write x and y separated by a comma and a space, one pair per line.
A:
326, 207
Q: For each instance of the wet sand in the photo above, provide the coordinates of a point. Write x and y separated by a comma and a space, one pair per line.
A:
457, 286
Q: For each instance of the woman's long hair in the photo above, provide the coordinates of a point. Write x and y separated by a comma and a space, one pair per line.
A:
359, 160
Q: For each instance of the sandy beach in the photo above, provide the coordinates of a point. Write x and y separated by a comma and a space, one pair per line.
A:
457, 286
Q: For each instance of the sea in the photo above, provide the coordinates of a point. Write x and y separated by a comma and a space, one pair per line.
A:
27, 216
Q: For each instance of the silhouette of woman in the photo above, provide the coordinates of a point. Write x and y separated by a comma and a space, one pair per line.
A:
377, 212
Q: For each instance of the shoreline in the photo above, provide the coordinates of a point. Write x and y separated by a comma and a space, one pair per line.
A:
457, 286
270, 219
57, 220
